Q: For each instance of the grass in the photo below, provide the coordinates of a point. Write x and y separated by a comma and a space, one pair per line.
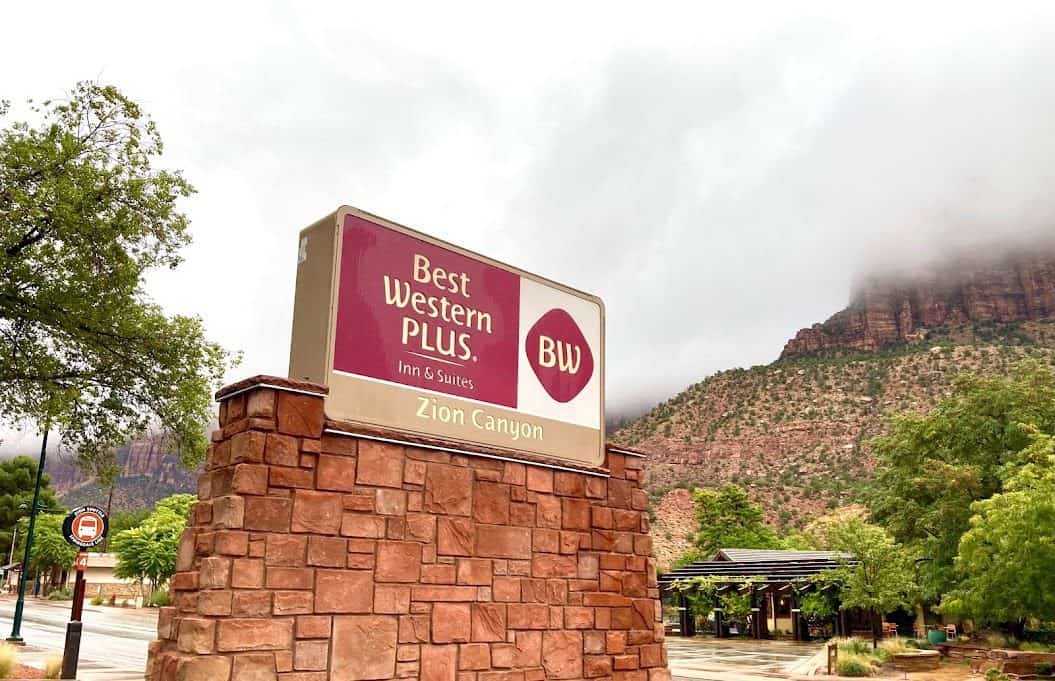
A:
53, 666
8, 659
853, 665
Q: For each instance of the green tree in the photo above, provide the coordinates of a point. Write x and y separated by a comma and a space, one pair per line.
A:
148, 552
727, 518
51, 553
84, 215
17, 477
877, 575
1006, 561
933, 467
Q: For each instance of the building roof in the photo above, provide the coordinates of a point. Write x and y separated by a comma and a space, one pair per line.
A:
774, 556
771, 566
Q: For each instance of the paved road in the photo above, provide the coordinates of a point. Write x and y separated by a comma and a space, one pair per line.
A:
113, 643
729, 660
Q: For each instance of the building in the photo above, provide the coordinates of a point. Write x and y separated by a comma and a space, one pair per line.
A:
101, 581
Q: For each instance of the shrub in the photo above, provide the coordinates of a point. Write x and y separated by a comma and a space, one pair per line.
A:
1035, 647
1044, 668
8, 659
52, 666
854, 665
159, 598
996, 675
60, 595
853, 646
894, 646
98, 599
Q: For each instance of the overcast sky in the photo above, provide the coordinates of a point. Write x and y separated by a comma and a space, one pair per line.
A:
718, 172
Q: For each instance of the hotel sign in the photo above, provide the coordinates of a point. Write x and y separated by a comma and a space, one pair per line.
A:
417, 335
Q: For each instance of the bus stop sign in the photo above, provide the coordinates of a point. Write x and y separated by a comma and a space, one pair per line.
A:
86, 526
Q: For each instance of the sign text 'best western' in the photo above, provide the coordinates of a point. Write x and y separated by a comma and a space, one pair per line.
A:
429, 338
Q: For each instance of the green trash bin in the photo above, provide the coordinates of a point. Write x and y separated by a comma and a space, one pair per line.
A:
935, 636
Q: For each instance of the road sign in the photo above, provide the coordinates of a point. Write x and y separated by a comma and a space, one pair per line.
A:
417, 335
82, 562
86, 526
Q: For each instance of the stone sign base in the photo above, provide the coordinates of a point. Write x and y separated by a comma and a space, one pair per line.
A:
322, 551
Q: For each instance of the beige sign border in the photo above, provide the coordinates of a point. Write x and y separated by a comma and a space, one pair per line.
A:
336, 221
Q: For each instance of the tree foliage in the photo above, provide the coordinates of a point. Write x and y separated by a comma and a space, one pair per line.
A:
148, 552
84, 215
1006, 561
51, 552
727, 518
934, 467
878, 574
17, 477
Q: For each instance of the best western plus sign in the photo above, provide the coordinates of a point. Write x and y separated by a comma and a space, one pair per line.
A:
421, 336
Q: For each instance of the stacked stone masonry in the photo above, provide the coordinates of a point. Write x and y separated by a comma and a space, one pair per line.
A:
313, 557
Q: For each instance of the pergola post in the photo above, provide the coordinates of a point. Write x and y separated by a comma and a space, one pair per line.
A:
718, 632
686, 621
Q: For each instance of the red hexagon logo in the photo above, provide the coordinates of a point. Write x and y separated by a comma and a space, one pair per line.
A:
559, 355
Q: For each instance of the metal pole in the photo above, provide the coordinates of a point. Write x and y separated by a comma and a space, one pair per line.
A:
16, 625
71, 653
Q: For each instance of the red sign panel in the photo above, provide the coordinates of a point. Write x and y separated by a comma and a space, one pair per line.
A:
404, 301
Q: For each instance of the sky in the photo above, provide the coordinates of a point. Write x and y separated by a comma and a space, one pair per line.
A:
719, 173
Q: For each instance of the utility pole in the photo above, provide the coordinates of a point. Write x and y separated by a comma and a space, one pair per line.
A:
16, 626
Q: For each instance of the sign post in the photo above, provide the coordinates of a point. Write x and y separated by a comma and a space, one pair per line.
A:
84, 528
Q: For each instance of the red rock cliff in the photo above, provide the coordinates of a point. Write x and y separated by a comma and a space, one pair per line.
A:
887, 309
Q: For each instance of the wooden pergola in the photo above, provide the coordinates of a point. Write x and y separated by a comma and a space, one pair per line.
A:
771, 573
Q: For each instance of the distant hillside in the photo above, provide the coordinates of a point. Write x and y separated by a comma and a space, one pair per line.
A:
148, 474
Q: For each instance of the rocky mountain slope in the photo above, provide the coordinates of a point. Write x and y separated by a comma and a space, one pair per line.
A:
795, 432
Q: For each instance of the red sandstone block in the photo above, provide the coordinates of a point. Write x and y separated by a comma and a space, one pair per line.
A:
439, 663
521, 568
268, 514
391, 502
643, 545
548, 511
549, 566
638, 637
248, 447
489, 622
249, 479
616, 465
362, 500
527, 616
284, 661
282, 476
292, 603
286, 550
622, 618
380, 464
211, 668
639, 500
438, 573
363, 561
589, 565
651, 655
363, 647
569, 484
251, 603
514, 675
300, 414
451, 623
611, 581
615, 642
281, 450
362, 526
343, 591
342, 445
456, 536
254, 634
184, 581
253, 667
545, 541
448, 489
571, 542
228, 512
196, 635
495, 541
313, 626
308, 460
619, 492
636, 563
390, 599
290, 578
231, 543
522, 514
362, 546
420, 527
578, 618
260, 403
594, 666
256, 548
310, 445
336, 472
626, 521
414, 472
576, 513
490, 503
414, 629
311, 655
443, 593
659, 674
540, 479
327, 551
625, 662
408, 653
562, 654
611, 561
398, 561
514, 473
474, 571
606, 600
474, 656
247, 573
214, 603
316, 512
